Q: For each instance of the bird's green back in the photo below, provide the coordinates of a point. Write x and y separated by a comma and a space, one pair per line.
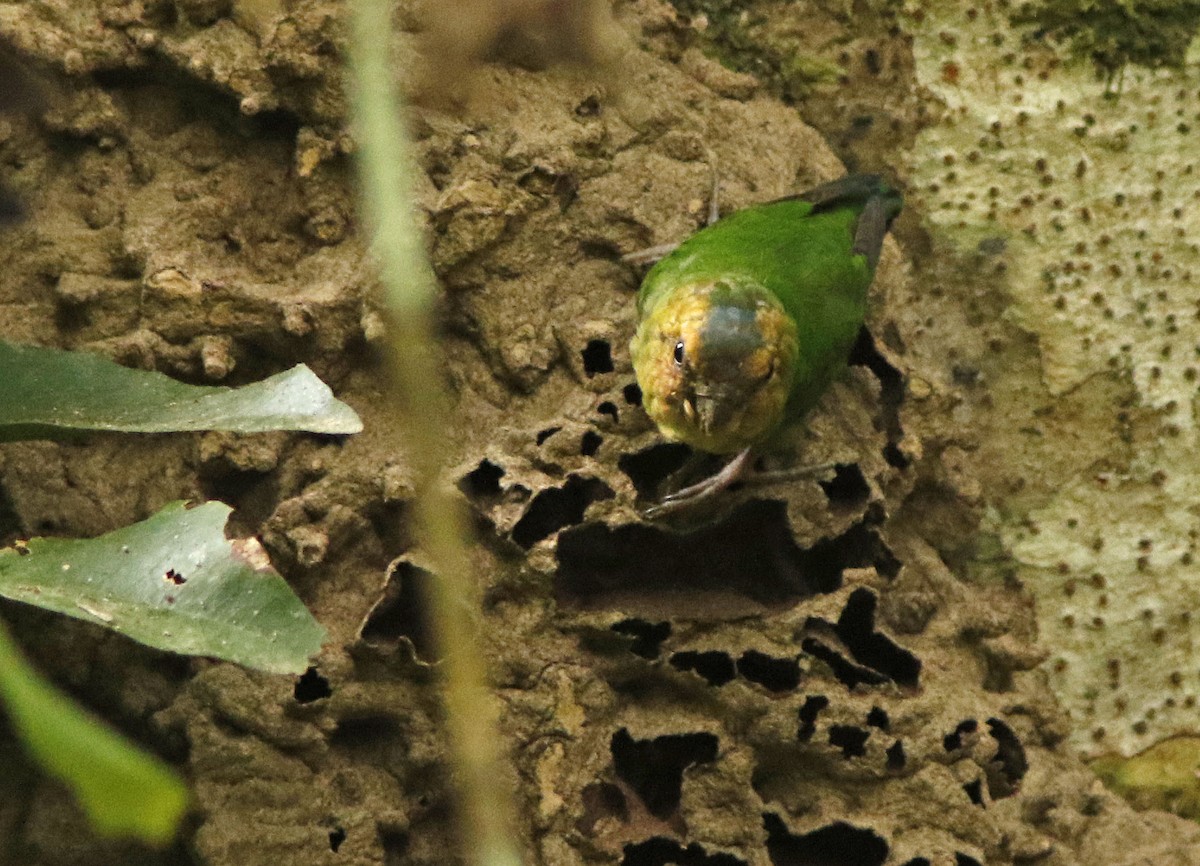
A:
804, 255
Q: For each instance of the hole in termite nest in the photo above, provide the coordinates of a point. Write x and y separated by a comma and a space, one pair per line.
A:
974, 791
365, 734
848, 489
813, 704
866, 353
851, 739
876, 657
714, 666
601, 801
661, 851
483, 480
597, 357
1010, 764
773, 674
394, 842
558, 507
609, 408
400, 613
311, 686
590, 443
647, 636
836, 844
895, 458
846, 672
650, 467
654, 768
750, 555
954, 740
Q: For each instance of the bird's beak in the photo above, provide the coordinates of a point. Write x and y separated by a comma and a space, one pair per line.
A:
714, 410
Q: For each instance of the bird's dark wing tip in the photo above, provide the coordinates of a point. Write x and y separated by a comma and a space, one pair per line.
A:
852, 189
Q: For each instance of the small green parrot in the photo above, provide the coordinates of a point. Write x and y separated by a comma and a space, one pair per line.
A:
748, 321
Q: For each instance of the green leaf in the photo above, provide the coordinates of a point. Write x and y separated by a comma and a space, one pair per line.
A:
48, 394
173, 582
1165, 776
123, 790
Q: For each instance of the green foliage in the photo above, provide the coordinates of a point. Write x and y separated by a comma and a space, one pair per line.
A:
173, 582
124, 791
50, 394
1165, 776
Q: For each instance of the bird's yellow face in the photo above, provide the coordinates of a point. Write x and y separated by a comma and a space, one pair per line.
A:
715, 362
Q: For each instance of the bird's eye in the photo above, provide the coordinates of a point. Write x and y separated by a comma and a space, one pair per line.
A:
679, 354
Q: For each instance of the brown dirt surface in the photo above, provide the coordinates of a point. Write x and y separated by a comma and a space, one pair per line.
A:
811, 676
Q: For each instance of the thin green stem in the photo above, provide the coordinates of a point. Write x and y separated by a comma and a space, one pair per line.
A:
386, 170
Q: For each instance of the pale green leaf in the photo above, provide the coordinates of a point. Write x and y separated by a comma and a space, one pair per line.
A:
48, 394
173, 582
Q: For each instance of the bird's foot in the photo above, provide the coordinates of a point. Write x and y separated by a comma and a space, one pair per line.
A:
778, 476
681, 500
739, 469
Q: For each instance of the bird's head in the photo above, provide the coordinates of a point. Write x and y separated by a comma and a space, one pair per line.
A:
715, 361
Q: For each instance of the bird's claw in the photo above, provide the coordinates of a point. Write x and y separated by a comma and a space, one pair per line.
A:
735, 470
682, 500
777, 476
740, 469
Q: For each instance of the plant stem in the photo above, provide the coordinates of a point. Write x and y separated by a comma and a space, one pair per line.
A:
386, 168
